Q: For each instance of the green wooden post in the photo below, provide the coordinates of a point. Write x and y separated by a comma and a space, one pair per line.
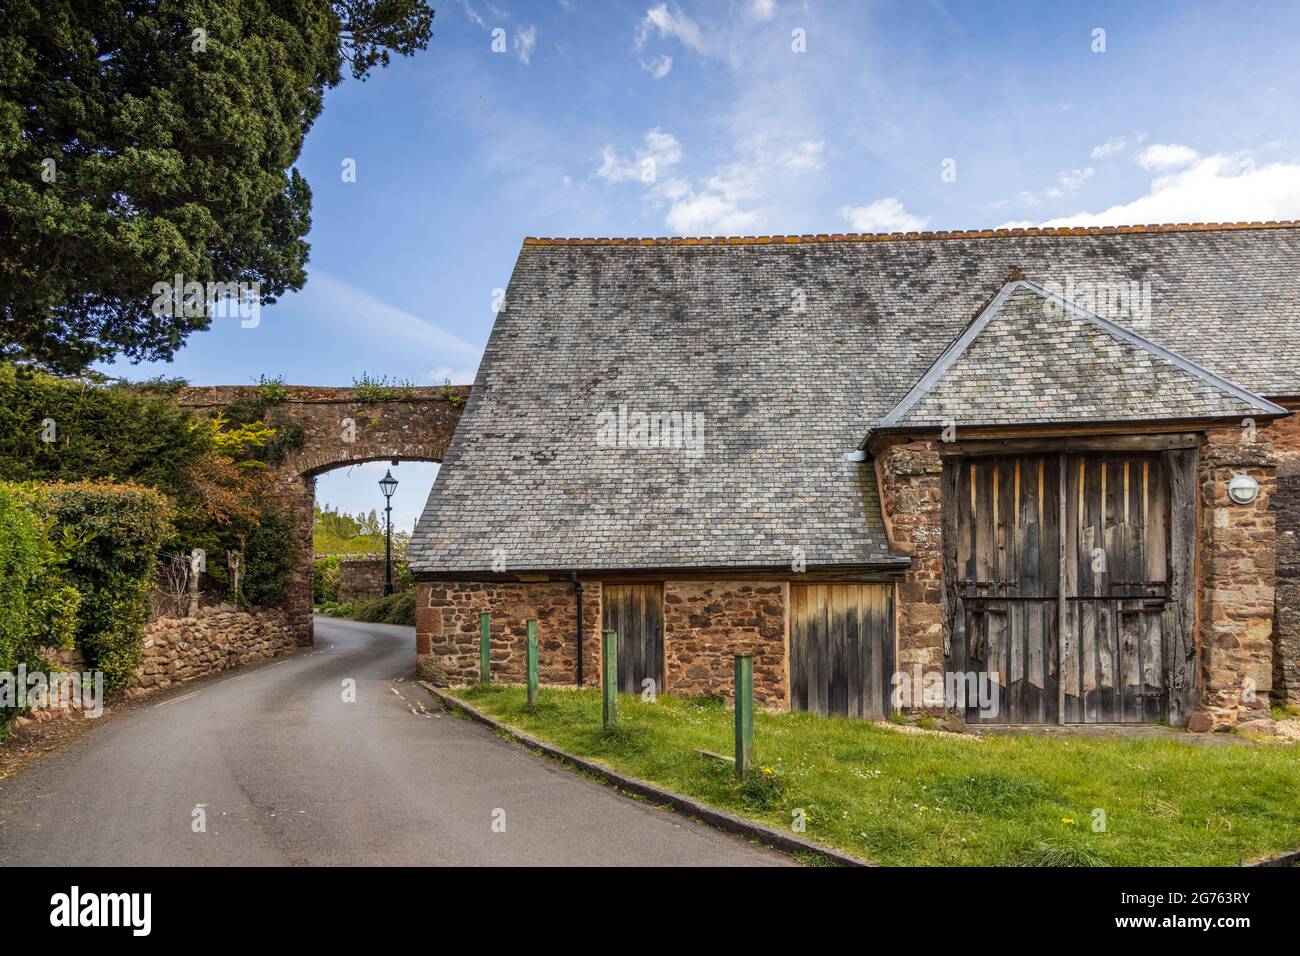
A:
744, 715
532, 661
484, 647
609, 679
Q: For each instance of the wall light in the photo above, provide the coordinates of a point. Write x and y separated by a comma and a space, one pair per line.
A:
1243, 489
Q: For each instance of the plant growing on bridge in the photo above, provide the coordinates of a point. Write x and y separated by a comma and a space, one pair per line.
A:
120, 168
382, 389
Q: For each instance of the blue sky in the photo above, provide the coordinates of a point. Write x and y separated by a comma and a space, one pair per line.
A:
703, 118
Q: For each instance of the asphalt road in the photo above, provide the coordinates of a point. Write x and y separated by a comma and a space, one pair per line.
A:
287, 773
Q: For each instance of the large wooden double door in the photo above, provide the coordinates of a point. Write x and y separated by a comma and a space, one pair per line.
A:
1070, 585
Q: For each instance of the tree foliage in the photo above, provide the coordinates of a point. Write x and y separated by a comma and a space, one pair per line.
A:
145, 139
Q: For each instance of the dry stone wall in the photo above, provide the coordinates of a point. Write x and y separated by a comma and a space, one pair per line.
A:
176, 650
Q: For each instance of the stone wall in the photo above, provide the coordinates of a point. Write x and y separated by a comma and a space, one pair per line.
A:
338, 429
447, 630
706, 623
176, 650
1237, 558
910, 477
363, 578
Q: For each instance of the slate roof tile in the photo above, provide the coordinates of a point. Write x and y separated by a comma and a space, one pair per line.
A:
790, 352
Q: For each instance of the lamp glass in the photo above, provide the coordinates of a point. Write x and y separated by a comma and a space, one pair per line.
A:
388, 484
1243, 489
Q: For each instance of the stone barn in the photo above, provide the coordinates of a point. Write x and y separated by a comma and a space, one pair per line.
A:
1032, 476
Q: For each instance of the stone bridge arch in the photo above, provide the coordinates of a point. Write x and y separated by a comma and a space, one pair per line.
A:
338, 429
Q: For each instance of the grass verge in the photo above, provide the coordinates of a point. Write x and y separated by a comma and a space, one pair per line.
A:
911, 799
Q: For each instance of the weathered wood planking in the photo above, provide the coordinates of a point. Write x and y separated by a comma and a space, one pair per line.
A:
635, 613
841, 649
1064, 581
1178, 620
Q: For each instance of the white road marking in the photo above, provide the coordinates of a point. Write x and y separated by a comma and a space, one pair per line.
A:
175, 699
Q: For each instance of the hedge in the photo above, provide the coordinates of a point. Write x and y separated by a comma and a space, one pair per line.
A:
58, 429
37, 609
109, 534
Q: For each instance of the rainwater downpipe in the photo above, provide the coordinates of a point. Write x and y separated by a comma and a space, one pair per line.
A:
577, 594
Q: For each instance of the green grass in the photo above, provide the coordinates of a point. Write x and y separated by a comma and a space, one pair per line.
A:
920, 799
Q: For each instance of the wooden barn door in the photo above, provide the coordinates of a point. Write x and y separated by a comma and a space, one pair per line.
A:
1008, 565
1117, 588
635, 612
1066, 590
842, 649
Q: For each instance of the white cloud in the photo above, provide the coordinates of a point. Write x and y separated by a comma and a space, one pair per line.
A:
883, 215
762, 9
473, 15
337, 303
1113, 147
660, 153
658, 66
1072, 179
673, 24
1162, 156
710, 213
524, 41
804, 157
1219, 188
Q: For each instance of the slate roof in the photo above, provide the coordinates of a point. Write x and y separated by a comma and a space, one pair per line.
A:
791, 351
1031, 357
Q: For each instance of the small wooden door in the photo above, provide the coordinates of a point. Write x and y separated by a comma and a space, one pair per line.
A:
1067, 598
635, 612
842, 649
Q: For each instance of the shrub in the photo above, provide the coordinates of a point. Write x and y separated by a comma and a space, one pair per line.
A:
268, 560
394, 609
37, 607
325, 581
58, 429
109, 534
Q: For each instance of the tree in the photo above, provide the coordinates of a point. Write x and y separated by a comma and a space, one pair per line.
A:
140, 141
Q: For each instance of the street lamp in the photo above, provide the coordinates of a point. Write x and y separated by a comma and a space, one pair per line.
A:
388, 484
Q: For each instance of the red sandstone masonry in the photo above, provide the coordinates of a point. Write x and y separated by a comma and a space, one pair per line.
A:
706, 623
417, 427
176, 650
910, 476
1235, 584
447, 630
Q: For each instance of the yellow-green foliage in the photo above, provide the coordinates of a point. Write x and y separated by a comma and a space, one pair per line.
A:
37, 607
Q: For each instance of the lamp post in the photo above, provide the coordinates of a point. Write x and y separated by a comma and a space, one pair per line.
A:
388, 484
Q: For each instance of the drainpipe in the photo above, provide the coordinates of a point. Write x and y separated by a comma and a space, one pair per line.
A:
577, 594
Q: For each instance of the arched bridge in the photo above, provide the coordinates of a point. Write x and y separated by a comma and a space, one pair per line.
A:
340, 426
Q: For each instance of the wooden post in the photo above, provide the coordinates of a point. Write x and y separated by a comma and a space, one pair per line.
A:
609, 679
484, 647
532, 661
744, 715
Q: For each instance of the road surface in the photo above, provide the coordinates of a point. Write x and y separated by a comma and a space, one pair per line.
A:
282, 771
